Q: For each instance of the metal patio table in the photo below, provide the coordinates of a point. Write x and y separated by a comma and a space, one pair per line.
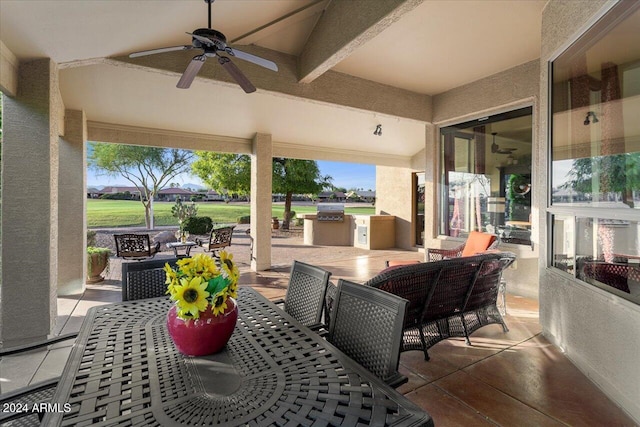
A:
125, 370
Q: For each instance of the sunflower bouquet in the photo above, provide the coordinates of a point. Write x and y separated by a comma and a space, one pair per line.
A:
202, 281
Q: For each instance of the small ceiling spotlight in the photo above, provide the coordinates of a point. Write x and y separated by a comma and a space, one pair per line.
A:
586, 119
378, 130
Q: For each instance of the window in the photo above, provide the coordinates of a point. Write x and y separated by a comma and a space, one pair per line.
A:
486, 177
595, 154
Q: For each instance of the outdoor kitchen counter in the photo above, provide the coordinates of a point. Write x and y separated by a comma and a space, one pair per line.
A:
361, 231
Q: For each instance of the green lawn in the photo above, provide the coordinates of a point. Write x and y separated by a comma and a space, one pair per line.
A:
130, 213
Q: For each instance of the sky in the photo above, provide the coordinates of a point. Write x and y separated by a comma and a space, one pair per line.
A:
347, 175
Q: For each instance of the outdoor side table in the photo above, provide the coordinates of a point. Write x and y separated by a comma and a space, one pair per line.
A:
181, 245
124, 369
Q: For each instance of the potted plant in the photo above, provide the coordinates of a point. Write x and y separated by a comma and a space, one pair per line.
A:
97, 259
204, 312
183, 212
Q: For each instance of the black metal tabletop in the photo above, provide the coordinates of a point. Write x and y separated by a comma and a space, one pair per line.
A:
125, 370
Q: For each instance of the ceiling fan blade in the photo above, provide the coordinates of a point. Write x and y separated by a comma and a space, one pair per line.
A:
160, 50
192, 70
235, 72
205, 41
252, 58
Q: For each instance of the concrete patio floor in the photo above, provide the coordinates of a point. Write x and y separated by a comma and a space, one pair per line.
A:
511, 379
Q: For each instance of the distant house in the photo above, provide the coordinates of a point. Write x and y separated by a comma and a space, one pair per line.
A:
94, 193
172, 193
362, 196
332, 196
213, 196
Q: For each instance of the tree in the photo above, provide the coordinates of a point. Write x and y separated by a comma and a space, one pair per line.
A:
149, 169
224, 173
619, 173
232, 173
296, 176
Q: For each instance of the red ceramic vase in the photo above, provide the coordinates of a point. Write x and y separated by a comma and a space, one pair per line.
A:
205, 335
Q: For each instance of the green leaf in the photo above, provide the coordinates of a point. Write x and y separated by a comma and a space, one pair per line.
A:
217, 284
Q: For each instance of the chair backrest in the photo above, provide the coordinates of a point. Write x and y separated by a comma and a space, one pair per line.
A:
305, 296
477, 242
367, 326
145, 279
220, 237
132, 246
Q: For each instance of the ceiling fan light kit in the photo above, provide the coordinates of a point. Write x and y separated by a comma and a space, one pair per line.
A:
213, 43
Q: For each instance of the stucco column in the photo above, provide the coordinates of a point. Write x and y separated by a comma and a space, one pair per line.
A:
30, 204
261, 177
72, 265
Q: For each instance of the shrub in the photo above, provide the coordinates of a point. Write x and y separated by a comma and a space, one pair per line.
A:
91, 237
246, 219
198, 224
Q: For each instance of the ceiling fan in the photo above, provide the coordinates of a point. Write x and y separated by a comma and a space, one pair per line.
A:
495, 148
213, 43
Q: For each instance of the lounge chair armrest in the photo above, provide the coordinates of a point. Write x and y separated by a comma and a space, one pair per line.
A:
397, 380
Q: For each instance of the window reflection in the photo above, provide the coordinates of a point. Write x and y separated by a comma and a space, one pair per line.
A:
486, 177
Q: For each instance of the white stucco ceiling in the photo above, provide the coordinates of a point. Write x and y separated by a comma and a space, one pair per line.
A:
437, 46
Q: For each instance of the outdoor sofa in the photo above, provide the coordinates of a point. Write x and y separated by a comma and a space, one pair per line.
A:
448, 298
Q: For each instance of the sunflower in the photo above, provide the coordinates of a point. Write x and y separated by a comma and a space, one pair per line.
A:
229, 269
172, 278
191, 297
219, 304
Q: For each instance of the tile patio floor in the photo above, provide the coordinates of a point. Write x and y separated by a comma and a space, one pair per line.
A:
509, 379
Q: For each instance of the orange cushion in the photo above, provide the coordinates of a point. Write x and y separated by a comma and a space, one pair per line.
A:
394, 263
477, 242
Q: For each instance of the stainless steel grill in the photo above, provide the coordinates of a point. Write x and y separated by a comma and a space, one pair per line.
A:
331, 212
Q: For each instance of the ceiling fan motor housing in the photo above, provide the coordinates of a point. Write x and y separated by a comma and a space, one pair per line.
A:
217, 38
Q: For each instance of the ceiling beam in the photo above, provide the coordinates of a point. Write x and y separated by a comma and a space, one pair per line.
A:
332, 87
274, 26
344, 26
8, 71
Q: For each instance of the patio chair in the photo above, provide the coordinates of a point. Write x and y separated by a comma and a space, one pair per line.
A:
305, 298
26, 397
145, 279
367, 325
135, 246
219, 238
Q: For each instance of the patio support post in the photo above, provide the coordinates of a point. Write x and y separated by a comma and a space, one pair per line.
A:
31, 123
261, 177
72, 265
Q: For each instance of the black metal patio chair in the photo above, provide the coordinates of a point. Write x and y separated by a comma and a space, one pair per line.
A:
367, 325
145, 279
135, 246
305, 298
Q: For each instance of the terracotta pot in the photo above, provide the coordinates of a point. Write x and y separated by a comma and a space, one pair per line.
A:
205, 335
275, 224
97, 263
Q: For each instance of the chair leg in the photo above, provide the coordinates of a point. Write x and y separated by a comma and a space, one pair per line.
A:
424, 343
466, 332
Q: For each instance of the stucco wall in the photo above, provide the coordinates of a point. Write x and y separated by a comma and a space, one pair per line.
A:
394, 197
598, 331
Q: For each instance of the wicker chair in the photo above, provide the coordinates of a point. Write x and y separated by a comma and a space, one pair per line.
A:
305, 298
367, 326
448, 298
219, 238
476, 242
26, 397
135, 246
145, 279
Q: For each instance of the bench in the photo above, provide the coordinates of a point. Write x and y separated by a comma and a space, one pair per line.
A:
447, 298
